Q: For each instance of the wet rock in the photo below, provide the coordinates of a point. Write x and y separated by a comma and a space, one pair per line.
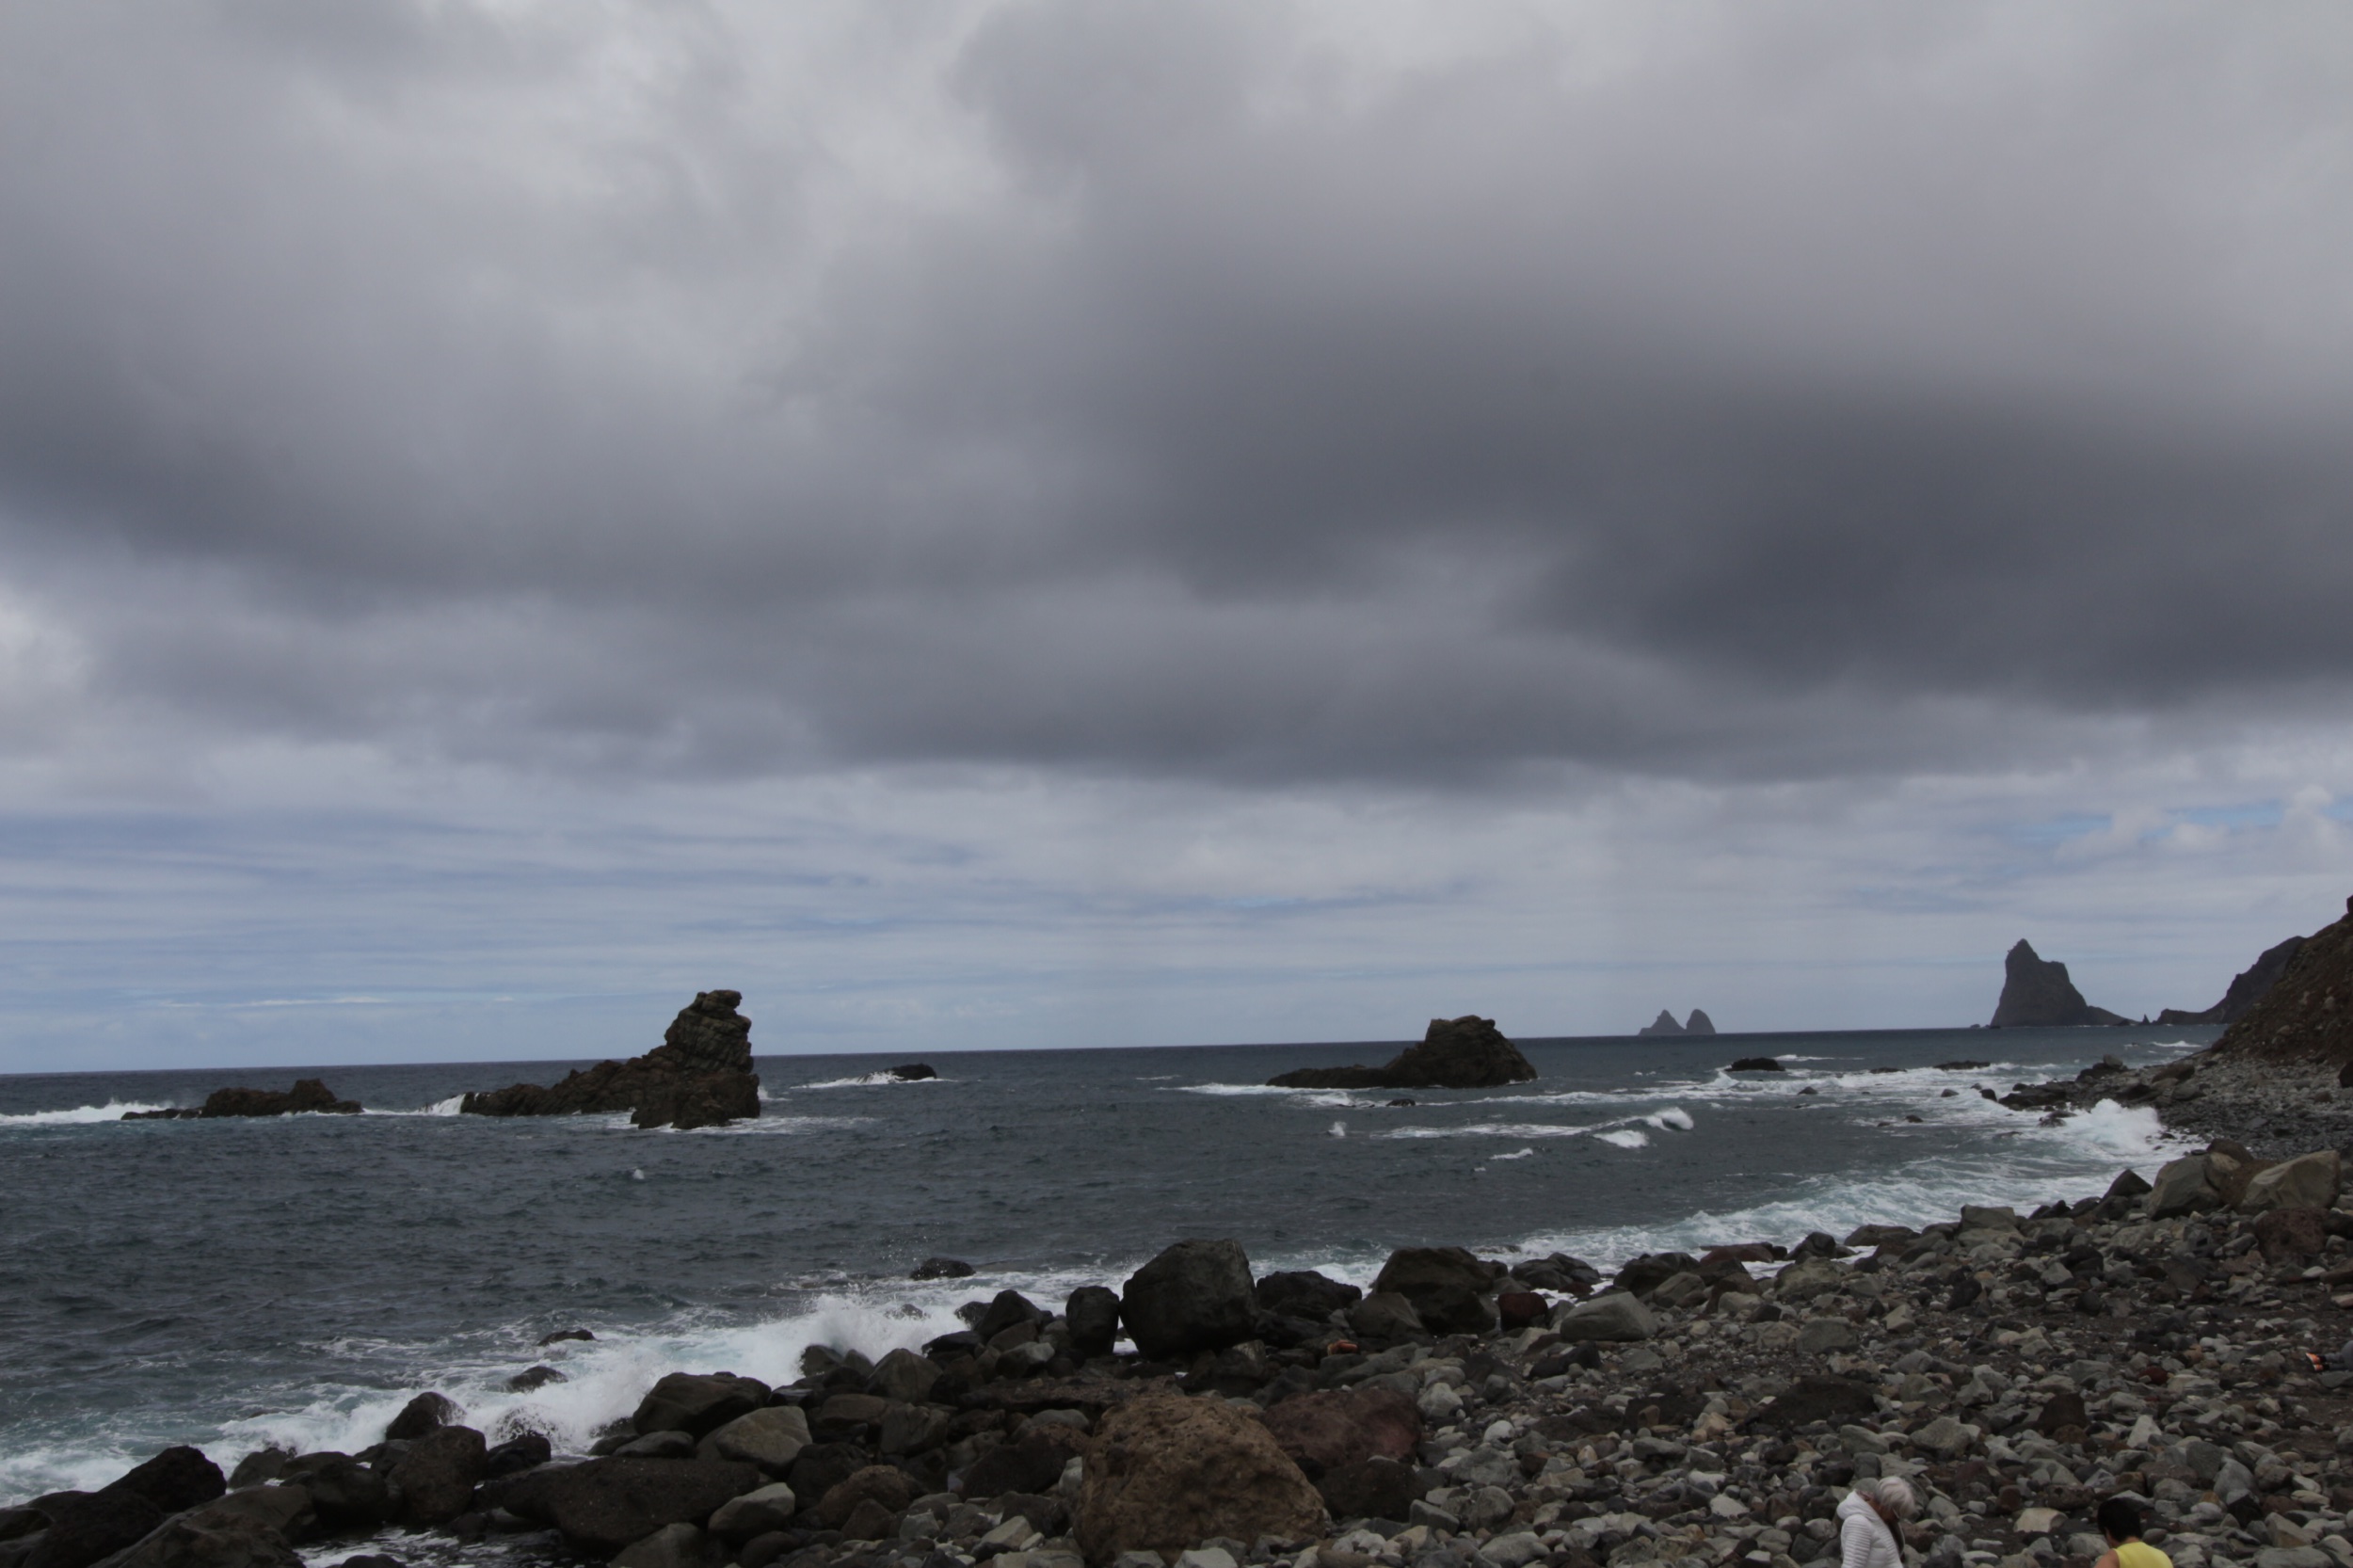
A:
420, 1415
84, 1530
1558, 1273
698, 1075
1384, 1315
671, 1546
1614, 1317
1306, 1293
534, 1377
942, 1268
1093, 1314
1756, 1064
1449, 1287
698, 1404
1196, 1295
1456, 1053
1518, 1309
344, 1494
211, 1537
1641, 1277
517, 1454
1169, 1473
262, 1465
560, 1336
1007, 1309
436, 1478
823, 1467
606, 1504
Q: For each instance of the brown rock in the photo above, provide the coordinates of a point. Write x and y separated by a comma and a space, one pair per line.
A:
1168, 1472
1339, 1427
1520, 1308
870, 1521
2287, 1233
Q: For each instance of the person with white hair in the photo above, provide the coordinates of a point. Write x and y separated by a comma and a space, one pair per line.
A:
1867, 1521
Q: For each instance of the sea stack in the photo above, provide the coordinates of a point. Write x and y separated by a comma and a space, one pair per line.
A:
1468, 1052
1662, 1028
700, 1075
2036, 994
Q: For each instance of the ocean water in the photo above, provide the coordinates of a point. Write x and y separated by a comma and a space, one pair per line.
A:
296, 1280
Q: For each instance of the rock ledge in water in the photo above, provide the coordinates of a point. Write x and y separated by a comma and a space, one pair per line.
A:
700, 1075
308, 1095
1468, 1052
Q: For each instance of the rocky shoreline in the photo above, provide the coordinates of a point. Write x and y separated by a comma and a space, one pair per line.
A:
1466, 1412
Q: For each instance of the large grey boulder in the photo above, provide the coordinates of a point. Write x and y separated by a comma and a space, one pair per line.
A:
1617, 1317
698, 1404
1814, 1276
2308, 1181
772, 1438
671, 1546
1195, 1296
607, 1504
756, 1512
2182, 1187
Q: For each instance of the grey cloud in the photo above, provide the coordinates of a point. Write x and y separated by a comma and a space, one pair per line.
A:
1235, 390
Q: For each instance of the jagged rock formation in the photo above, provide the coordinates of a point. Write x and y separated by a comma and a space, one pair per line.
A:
2308, 1012
1699, 1023
2036, 994
2250, 988
1664, 1026
1468, 1052
700, 1075
308, 1094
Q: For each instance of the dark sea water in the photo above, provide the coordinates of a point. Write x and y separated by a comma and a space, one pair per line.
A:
234, 1283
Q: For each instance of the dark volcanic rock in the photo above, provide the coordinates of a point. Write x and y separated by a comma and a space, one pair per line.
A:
605, 1504
1662, 1027
1756, 1064
1812, 1398
913, 1072
1457, 1053
421, 1416
2307, 1013
1032, 1463
1449, 1288
700, 1075
308, 1094
2036, 994
1699, 1023
1093, 1314
436, 1478
83, 1529
1195, 1296
225, 1534
345, 1493
1305, 1293
2249, 986
174, 1480
696, 1405
942, 1268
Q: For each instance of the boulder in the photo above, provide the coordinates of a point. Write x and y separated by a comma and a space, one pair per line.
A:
1306, 1293
1195, 1296
2181, 1187
905, 1376
1821, 1336
823, 1467
344, 1494
1520, 1308
1007, 1309
210, 1537
756, 1512
2307, 1181
701, 1074
1756, 1064
1340, 1427
436, 1478
1614, 1317
1032, 1463
83, 1529
1386, 1315
2036, 994
1451, 1289
1468, 1052
1642, 1275
2128, 1184
2286, 1234
884, 1485
771, 1437
606, 1504
1169, 1472
1093, 1314
1816, 1398
174, 1480
421, 1416
871, 1521
525, 1451
698, 1404
671, 1546
1375, 1488
942, 1268
1814, 1276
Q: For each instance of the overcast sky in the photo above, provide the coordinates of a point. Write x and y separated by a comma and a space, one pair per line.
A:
1060, 524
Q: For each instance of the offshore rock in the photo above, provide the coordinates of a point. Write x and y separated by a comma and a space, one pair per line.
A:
1699, 1023
308, 1095
1468, 1052
700, 1075
2036, 994
1660, 1028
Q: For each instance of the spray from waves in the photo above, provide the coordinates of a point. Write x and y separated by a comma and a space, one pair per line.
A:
1625, 1138
113, 1111
1517, 1153
2044, 1163
766, 1126
867, 1081
438, 1108
1339, 1129
1333, 1099
1674, 1118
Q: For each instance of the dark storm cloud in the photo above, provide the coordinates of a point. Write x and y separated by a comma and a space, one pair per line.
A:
1182, 388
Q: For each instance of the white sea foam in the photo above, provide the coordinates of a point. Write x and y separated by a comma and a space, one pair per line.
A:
113, 1111
1517, 1153
1624, 1137
1490, 1129
1674, 1118
866, 1080
1318, 1098
438, 1108
1339, 1129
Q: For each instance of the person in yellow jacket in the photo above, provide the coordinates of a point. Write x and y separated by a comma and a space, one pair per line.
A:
2120, 1521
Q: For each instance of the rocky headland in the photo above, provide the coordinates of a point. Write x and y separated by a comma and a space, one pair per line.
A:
1468, 1052
308, 1095
700, 1075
